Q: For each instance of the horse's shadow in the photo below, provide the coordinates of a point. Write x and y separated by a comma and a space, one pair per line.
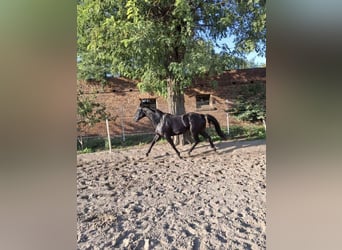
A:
225, 147
230, 146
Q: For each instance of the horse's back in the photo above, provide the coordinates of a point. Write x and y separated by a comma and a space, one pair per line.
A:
174, 124
196, 117
197, 122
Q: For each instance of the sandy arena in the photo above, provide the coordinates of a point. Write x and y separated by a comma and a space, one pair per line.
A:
209, 200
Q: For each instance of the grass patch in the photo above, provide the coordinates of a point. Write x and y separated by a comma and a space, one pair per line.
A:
95, 144
241, 132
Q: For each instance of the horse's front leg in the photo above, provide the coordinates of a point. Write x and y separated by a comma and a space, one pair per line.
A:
169, 139
155, 139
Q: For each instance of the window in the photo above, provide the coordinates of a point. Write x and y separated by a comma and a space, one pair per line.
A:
202, 101
149, 102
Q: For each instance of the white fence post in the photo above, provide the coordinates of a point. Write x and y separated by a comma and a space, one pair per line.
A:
227, 123
263, 122
122, 124
109, 142
227, 117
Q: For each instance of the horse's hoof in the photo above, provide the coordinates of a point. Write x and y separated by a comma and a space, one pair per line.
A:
146, 155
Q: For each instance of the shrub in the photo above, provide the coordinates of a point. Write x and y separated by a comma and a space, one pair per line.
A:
238, 131
250, 103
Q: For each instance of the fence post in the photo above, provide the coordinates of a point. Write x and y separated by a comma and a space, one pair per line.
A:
80, 140
227, 117
122, 124
263, 122
109, 142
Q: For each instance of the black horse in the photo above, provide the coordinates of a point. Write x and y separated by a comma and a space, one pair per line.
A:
167, 125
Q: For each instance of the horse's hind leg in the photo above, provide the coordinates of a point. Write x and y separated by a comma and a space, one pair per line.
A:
197, 140
205, 135
169, 139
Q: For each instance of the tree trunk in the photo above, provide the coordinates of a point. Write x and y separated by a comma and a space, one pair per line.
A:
176, 106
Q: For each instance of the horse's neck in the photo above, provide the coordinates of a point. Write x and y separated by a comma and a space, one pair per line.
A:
154, 116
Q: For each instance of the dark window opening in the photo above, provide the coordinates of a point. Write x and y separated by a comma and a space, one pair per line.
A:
202, 101
149, 102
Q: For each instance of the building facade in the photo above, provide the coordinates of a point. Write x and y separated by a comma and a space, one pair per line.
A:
212, 95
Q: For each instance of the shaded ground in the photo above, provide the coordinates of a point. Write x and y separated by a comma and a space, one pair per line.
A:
206, 201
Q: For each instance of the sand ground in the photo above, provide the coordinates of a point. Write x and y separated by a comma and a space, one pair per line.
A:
209, 200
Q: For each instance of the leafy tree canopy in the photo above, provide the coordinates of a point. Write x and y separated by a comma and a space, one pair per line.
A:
160, 42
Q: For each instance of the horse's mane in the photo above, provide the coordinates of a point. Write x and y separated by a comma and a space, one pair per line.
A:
153, 109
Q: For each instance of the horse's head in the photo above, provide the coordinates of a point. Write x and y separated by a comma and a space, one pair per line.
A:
153, 114
140, 113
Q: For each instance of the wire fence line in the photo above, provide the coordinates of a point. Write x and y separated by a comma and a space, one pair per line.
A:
123, 130
124, 125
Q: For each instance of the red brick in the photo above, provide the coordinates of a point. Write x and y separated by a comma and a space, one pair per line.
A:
121, 98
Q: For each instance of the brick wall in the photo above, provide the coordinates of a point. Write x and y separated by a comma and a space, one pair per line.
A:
121, 98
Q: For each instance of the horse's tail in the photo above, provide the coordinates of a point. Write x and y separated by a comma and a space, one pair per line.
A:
211, 119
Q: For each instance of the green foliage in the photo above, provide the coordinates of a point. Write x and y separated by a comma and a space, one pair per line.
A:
247, 131
241, 131
132, 140
99, 144
85, 151
249, 111
158, 40
250, 27
89, 111
250, 105
92, 145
